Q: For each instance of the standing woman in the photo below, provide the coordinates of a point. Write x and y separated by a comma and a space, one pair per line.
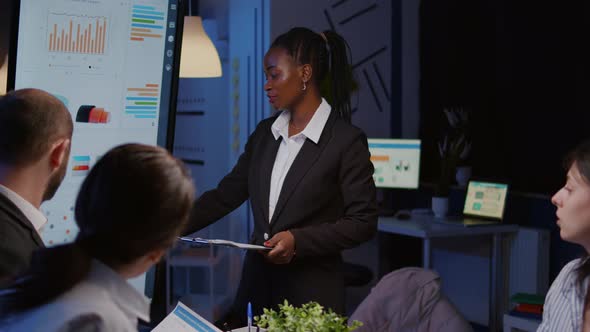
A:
307, 174
567, 305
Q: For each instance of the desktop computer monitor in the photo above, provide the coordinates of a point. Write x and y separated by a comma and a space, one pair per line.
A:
396, 162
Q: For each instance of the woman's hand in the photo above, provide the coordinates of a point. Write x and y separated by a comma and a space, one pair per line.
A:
283, 245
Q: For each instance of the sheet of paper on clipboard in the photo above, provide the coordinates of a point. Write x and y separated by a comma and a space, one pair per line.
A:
227, 243
183, 319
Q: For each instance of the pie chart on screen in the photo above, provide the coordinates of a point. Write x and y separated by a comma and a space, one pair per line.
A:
92, 114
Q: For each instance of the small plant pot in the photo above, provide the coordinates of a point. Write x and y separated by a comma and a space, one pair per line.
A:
440, 206
462, 175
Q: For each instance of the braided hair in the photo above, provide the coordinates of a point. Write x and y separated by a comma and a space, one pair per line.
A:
328, 54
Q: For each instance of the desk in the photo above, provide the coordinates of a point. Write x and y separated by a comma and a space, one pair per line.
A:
426, 227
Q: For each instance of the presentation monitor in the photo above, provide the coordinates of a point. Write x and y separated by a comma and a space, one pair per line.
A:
114, 64
396, 162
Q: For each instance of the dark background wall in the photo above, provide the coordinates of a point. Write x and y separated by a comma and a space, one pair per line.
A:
522, 67
5, 14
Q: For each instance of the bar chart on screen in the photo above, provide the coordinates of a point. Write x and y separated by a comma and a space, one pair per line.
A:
80, 165
110, 62
147, 23
77, 34
142, 103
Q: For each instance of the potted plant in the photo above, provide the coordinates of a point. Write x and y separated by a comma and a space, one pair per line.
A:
310, 317
458, 119
453, 150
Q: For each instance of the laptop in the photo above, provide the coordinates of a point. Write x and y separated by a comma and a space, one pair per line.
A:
484, 204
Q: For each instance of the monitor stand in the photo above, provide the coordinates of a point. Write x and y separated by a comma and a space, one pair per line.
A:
385, 203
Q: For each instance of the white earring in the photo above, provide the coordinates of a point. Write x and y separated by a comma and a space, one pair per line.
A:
304, 86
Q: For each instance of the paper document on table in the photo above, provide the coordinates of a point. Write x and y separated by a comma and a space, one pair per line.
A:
227, 243
183, 319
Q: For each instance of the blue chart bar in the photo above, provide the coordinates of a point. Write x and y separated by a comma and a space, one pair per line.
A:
138, 25
144, 7
142, 102
143, 98
140, 112
141, 107
81, 158
148, 12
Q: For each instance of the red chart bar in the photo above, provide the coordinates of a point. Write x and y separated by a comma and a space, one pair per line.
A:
104, 33
78, 39
72, 37
70, 48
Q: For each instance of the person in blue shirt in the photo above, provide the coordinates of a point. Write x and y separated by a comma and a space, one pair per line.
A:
567, 303
130, 209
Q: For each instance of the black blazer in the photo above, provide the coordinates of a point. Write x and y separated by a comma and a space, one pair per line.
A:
18, 239
327, 202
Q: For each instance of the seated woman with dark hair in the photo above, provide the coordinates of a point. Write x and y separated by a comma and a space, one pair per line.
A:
130, 209
567, 305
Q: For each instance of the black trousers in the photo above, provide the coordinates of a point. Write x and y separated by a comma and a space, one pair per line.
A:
267, 285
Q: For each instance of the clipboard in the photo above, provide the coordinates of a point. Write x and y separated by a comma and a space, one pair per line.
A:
226, 243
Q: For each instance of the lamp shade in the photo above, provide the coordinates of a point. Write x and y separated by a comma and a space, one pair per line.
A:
3, 72
198, 57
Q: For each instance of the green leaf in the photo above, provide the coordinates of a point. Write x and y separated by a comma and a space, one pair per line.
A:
310, 317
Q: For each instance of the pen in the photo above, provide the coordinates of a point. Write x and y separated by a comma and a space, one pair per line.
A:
249, 316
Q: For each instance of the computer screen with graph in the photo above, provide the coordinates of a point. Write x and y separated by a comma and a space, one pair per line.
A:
485, 199
396, 162
114, 64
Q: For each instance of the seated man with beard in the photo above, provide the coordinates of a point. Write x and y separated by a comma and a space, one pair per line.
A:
35, 134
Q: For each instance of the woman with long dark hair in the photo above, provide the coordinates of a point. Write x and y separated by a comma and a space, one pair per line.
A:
567, 305
307, 174
130, 209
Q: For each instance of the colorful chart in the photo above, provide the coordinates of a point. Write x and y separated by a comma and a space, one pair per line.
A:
67, 33
396, 162
60, 227
80, 165
143, 102
147, 23
92, 114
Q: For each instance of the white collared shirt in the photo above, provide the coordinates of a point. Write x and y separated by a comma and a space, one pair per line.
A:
290, 147
103, 301
563, 310
35, 216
